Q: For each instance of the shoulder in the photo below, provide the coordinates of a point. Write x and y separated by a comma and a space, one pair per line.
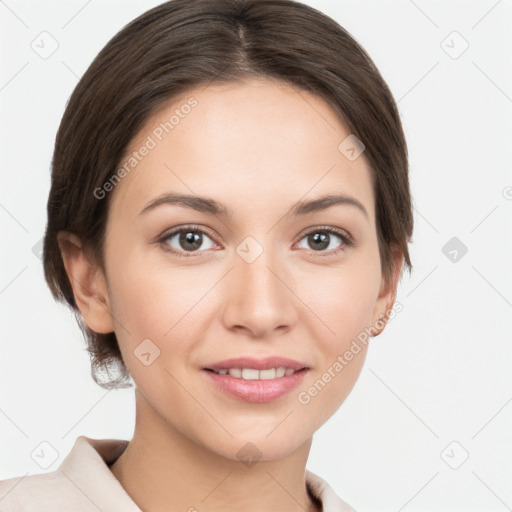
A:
331, 502
36, 493
83, 482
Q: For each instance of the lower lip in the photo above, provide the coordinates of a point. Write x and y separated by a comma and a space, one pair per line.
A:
257, 391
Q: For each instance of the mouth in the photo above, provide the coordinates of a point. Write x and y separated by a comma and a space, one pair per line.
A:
255, 374
254, 364
256, 381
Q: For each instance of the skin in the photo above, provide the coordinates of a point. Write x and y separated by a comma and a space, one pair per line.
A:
256, 147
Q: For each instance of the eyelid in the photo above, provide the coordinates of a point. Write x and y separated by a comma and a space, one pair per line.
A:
342, 233
347, 239
177, 229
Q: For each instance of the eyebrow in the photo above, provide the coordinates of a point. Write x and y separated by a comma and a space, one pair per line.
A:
212, 207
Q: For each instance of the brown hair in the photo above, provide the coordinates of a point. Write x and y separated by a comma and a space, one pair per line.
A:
185, 43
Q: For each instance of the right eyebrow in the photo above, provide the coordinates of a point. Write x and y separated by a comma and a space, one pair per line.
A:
200, 204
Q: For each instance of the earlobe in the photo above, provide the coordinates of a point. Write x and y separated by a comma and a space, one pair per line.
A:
88, 283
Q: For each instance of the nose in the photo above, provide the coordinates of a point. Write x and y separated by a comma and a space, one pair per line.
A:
260, 297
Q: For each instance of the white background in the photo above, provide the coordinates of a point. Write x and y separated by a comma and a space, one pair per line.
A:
441, 372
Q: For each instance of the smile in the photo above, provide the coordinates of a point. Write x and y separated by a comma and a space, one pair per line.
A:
256, 386
254, 374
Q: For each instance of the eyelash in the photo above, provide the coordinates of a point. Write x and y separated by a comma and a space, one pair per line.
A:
345, 238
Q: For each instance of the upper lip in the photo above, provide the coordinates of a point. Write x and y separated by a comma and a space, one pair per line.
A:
257, 364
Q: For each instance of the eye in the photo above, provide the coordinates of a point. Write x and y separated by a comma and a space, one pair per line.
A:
189, 239
186, 239
322, 238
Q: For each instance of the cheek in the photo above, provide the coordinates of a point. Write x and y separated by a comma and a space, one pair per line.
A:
150, 297
325, 393
343, 300
341, 344
150, 307
160, 303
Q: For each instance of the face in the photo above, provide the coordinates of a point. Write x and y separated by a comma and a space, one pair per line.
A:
188, 288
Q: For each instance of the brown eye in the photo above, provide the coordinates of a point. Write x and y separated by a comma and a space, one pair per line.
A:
324, 240
187, 239
319, 240
190, 240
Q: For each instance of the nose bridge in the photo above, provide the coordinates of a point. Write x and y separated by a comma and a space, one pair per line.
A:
257, 265
258, 297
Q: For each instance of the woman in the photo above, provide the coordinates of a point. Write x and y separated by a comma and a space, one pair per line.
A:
229, 218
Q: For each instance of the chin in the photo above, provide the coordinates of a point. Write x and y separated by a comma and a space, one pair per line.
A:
250, 449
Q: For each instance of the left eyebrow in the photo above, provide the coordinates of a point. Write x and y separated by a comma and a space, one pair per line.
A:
324, 202
212, 207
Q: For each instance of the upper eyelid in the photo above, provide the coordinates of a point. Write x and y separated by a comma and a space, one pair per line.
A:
190, 227
330, 229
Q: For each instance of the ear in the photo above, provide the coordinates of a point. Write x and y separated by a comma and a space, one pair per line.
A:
88, 284
387, 294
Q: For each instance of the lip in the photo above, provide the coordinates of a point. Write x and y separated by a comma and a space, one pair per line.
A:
258, 364
256, 391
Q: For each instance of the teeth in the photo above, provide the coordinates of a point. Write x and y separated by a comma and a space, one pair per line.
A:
249, 374
254, 374
235, 372
267, 374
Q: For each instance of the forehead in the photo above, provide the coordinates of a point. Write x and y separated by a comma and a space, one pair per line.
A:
258, 140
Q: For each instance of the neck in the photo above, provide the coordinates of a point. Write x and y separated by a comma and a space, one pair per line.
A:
164, 470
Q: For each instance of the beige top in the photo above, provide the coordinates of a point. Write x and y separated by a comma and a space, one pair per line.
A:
83, 482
